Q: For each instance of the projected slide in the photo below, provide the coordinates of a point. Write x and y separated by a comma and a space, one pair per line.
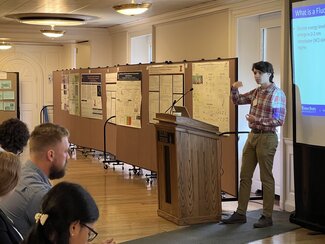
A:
308, 39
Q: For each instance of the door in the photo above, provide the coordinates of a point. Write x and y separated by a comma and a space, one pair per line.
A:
29, 87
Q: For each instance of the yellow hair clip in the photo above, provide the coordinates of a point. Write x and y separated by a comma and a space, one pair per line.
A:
41, 218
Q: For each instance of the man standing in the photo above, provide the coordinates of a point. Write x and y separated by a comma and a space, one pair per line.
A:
267, 111
49, 152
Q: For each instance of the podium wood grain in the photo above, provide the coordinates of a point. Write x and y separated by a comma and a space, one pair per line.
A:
188, 170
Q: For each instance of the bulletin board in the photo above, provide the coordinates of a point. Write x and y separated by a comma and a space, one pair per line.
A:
131, 136
9, 95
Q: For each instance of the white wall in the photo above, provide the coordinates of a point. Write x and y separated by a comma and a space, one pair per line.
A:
200, 37
68, 56
83, 55
119, 47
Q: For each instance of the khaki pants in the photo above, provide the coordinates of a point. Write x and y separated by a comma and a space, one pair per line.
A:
259, 148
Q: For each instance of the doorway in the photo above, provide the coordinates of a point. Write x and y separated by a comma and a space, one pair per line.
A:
259, 38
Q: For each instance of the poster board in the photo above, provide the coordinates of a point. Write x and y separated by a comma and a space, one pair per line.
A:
136, 145
229, 146
166, 84
9, 95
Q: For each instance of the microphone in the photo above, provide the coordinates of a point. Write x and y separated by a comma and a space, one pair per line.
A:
175, 101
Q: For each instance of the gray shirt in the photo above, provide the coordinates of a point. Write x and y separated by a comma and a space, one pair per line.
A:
22, 205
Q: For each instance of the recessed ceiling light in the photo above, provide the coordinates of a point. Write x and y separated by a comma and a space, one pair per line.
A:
51, 19
132, 8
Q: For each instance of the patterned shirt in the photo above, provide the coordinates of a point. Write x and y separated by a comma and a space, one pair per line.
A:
268, 105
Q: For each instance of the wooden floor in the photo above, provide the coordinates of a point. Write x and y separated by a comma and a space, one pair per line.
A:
128, 204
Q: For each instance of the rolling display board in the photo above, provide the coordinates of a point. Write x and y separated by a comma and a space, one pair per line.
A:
135, 93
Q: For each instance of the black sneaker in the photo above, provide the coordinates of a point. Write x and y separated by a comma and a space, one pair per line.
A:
235, 218
263, 222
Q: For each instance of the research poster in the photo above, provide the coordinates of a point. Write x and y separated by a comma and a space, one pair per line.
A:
111, 87
166, 84
5, 84
211, 92
7, 95
65, 92
128, 99
73, 94
91, 96
9, 106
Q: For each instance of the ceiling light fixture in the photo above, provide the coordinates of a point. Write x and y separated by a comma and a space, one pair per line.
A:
53, 33
132, 8
51, 19
5, 46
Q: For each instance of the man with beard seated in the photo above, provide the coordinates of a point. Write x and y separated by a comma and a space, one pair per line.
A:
49, 153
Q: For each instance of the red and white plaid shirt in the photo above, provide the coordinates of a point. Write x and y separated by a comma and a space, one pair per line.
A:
268, 105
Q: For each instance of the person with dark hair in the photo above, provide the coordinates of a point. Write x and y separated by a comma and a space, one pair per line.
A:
267, 111
14, 135
67, 216
9, 176
49, 153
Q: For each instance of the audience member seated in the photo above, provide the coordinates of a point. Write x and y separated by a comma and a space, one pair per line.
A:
14, 135
9, 176
49, 153
67, 216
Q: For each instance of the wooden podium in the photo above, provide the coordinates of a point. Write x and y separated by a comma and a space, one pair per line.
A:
189, 190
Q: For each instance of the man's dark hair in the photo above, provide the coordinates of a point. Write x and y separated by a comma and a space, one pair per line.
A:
264, 67
14, 135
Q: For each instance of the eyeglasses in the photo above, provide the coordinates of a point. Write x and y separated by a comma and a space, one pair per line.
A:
91, 234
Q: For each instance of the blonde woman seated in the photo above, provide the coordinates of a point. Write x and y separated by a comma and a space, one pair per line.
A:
67, 216
9, 176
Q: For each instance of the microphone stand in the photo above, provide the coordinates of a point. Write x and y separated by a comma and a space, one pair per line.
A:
171, 107
175, 101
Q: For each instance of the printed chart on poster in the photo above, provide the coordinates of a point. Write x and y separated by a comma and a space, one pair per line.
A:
91, 96
211, 93
166, 84
70, 95
128, 99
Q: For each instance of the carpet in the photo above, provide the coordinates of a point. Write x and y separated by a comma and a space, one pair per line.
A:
221, 233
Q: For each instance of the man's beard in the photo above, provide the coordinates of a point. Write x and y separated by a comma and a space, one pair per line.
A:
56, 173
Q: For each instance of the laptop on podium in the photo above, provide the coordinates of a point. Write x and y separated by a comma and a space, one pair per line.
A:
182, 110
